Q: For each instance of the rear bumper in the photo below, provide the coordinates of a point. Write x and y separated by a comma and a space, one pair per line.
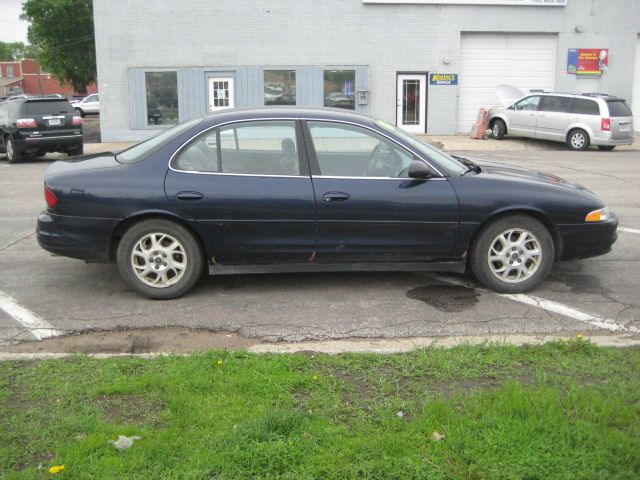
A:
52, 144
604, 138
84, 238
588, 239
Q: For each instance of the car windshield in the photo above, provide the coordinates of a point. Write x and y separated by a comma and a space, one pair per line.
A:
451, 165
143, 149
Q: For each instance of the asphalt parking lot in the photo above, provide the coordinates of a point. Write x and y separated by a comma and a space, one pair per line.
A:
45, 296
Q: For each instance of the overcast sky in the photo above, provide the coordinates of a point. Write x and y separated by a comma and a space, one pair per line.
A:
11, 28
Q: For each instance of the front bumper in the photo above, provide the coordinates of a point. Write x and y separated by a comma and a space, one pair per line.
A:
85, 238
588, 239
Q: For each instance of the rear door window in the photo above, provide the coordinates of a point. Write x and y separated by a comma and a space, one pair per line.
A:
618, 108
259, 148
582, 106
44, 107
555, 104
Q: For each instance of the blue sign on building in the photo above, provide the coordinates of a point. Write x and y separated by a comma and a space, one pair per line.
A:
443, 79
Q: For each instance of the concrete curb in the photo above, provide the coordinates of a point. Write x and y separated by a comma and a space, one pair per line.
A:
379, 346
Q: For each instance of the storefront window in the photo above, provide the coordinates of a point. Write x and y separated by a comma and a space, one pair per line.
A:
162, 98
340, 89
279, 87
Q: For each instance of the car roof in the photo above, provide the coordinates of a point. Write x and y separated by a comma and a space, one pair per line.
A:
286, 112
590, 95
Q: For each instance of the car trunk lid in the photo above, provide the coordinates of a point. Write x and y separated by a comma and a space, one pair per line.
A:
53, 117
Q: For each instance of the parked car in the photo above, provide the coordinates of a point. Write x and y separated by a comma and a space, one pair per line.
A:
37, 126
304, 190
88, 106
579, 120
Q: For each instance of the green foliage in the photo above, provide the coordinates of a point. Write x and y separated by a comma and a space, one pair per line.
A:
62, 31
556, 411
12, 51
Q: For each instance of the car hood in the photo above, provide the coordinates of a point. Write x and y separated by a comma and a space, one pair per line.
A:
518, 173
508, 94
80, 164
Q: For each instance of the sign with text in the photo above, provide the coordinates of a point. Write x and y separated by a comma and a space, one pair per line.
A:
443, 79
587, 61
526, 3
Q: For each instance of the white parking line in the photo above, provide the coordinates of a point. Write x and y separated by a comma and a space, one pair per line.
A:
628, 230
38, 327
550, 306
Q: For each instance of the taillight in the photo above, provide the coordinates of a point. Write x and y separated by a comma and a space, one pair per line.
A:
26, 123
605, 124
77, 120
50, 197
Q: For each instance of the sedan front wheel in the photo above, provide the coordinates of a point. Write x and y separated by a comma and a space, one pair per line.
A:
160, 259
513, 254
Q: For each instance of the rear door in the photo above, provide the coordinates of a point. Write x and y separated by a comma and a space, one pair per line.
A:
524, 117
621, 119
53, 117
553, 118
367, 208
247, 185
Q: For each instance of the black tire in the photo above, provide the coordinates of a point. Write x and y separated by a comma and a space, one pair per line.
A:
498, 129
136, 237
606, 148
80, 112
488, 237
13, 154
578, 140
77, 152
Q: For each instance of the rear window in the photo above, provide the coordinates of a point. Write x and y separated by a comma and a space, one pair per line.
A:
583, 106
44, 107
618, 108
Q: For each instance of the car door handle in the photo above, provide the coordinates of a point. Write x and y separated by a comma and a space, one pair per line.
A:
190, 196
336, 197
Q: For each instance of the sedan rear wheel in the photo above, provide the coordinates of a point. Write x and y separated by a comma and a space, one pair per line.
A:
513, 254
160, 259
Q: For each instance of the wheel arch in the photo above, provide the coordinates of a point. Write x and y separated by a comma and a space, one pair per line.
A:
578, 126
124, 225
531, 212
492, 120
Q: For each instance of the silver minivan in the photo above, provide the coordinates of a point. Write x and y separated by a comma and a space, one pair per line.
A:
579, 120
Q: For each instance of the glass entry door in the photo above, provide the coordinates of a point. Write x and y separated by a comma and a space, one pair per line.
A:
412, 102
221, 93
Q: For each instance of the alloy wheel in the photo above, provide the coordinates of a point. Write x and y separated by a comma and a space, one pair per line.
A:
159, 260
514, 255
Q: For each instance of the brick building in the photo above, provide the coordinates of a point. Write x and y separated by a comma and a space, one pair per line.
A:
24, 76
426, 65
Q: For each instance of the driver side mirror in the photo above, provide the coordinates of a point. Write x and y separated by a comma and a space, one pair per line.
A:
419, 169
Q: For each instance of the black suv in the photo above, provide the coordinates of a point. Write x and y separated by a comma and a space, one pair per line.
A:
39, 125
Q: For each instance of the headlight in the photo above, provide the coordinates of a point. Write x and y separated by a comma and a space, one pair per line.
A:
598, 215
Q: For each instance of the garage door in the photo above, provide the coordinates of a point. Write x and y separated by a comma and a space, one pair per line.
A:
526, 61
635, 95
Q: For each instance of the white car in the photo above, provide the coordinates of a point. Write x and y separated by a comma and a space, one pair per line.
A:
88, 105
579, 120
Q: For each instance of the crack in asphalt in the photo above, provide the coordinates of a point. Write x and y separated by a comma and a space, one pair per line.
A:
14, 242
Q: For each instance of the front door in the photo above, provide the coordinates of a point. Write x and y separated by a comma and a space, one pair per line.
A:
366, 206
412, 103
221, 93
523, 119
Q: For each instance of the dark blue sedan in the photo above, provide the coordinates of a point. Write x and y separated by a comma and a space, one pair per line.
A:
302, 190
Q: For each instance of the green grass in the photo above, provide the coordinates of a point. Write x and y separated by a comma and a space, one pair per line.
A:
561, 410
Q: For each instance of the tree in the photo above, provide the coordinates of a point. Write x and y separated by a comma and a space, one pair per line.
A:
62, 32
10, 51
